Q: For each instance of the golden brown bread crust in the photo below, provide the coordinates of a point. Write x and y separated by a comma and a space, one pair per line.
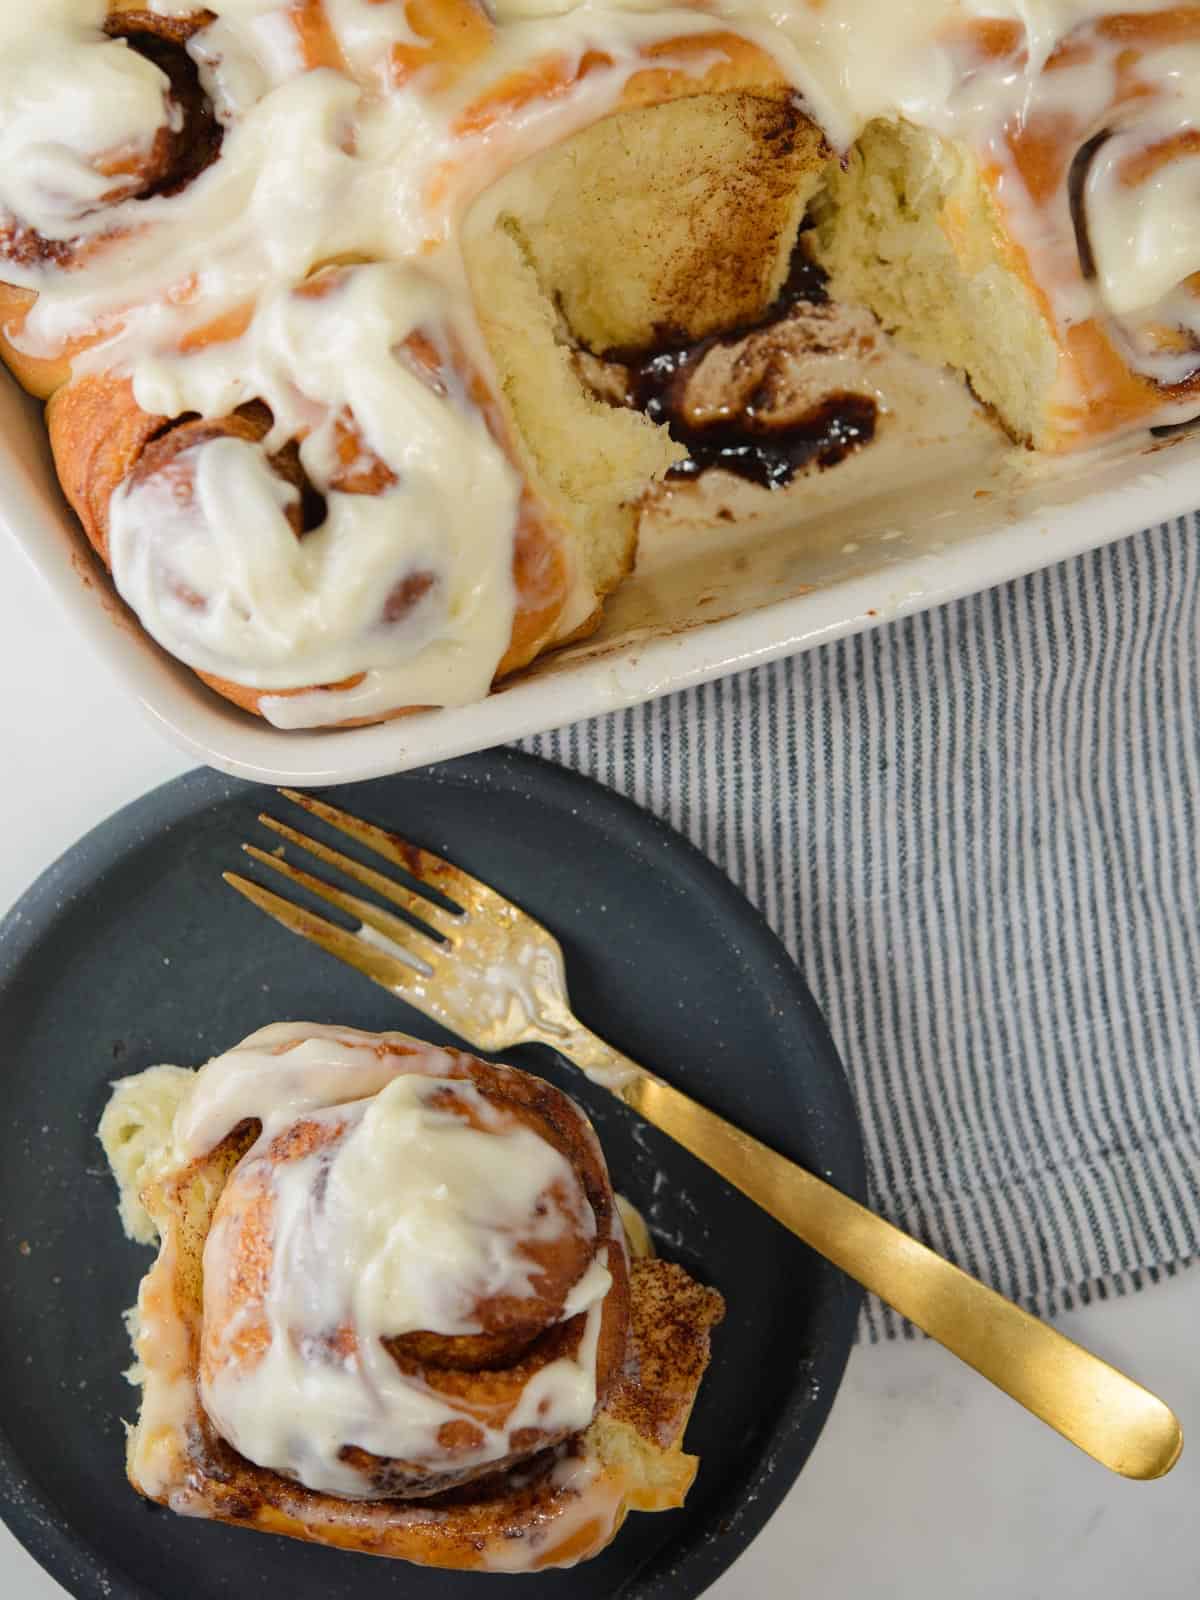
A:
101, 440
40, 376
1099, 390
97, 434
563, 1505
722, 61
634, 1439
645, 1416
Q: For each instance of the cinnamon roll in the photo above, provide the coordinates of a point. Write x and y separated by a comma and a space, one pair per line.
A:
245, 246
394, 1308
1052, 249
266, 543
115, 114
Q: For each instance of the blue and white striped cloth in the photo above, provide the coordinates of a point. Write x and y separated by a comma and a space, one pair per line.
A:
976, 831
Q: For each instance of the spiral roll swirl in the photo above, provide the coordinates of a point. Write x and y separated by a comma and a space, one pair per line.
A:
431, 1276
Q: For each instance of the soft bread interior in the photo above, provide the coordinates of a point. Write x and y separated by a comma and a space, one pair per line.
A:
135, 1131
662, 225
669, 221
588, 460
907, 227
638, 1435
659, 223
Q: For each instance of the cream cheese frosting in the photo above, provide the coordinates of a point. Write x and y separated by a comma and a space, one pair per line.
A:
71, 102
419, 1218
282, 610
416, 1205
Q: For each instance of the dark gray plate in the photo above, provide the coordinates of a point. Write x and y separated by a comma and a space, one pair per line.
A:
130, 950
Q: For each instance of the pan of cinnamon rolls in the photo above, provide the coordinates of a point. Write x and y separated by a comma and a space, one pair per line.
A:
361, 325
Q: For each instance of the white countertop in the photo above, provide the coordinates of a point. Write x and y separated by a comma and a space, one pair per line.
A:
926, 1484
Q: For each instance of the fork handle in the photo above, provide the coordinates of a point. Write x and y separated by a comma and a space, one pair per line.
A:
600, 1061
1105, 1413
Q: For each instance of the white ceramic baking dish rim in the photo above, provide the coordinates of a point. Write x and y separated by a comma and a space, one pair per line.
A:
1155, 489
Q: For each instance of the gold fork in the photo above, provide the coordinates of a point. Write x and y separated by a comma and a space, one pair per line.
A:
491, 974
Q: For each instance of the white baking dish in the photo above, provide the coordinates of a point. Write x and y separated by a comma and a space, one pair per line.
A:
945, 513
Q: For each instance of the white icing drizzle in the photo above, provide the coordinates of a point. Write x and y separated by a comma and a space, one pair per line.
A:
65, 110
284, 1071
1146, 235
282, 612
403, 1218
250, 47
338, 162
586, 1498
856, 59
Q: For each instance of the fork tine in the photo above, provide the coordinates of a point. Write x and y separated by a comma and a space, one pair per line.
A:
418, 943
421, 864
388, 971
407, 899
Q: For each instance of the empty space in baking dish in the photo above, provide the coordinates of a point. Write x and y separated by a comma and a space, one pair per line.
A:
952, 509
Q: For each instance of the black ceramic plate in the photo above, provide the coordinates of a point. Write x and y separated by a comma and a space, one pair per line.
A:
131, 950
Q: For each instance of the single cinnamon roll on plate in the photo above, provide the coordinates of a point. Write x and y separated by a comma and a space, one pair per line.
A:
394, 1307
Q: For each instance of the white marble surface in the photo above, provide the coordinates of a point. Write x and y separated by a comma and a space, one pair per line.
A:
926, 1484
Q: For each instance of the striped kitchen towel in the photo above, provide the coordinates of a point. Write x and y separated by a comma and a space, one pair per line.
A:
976, 831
